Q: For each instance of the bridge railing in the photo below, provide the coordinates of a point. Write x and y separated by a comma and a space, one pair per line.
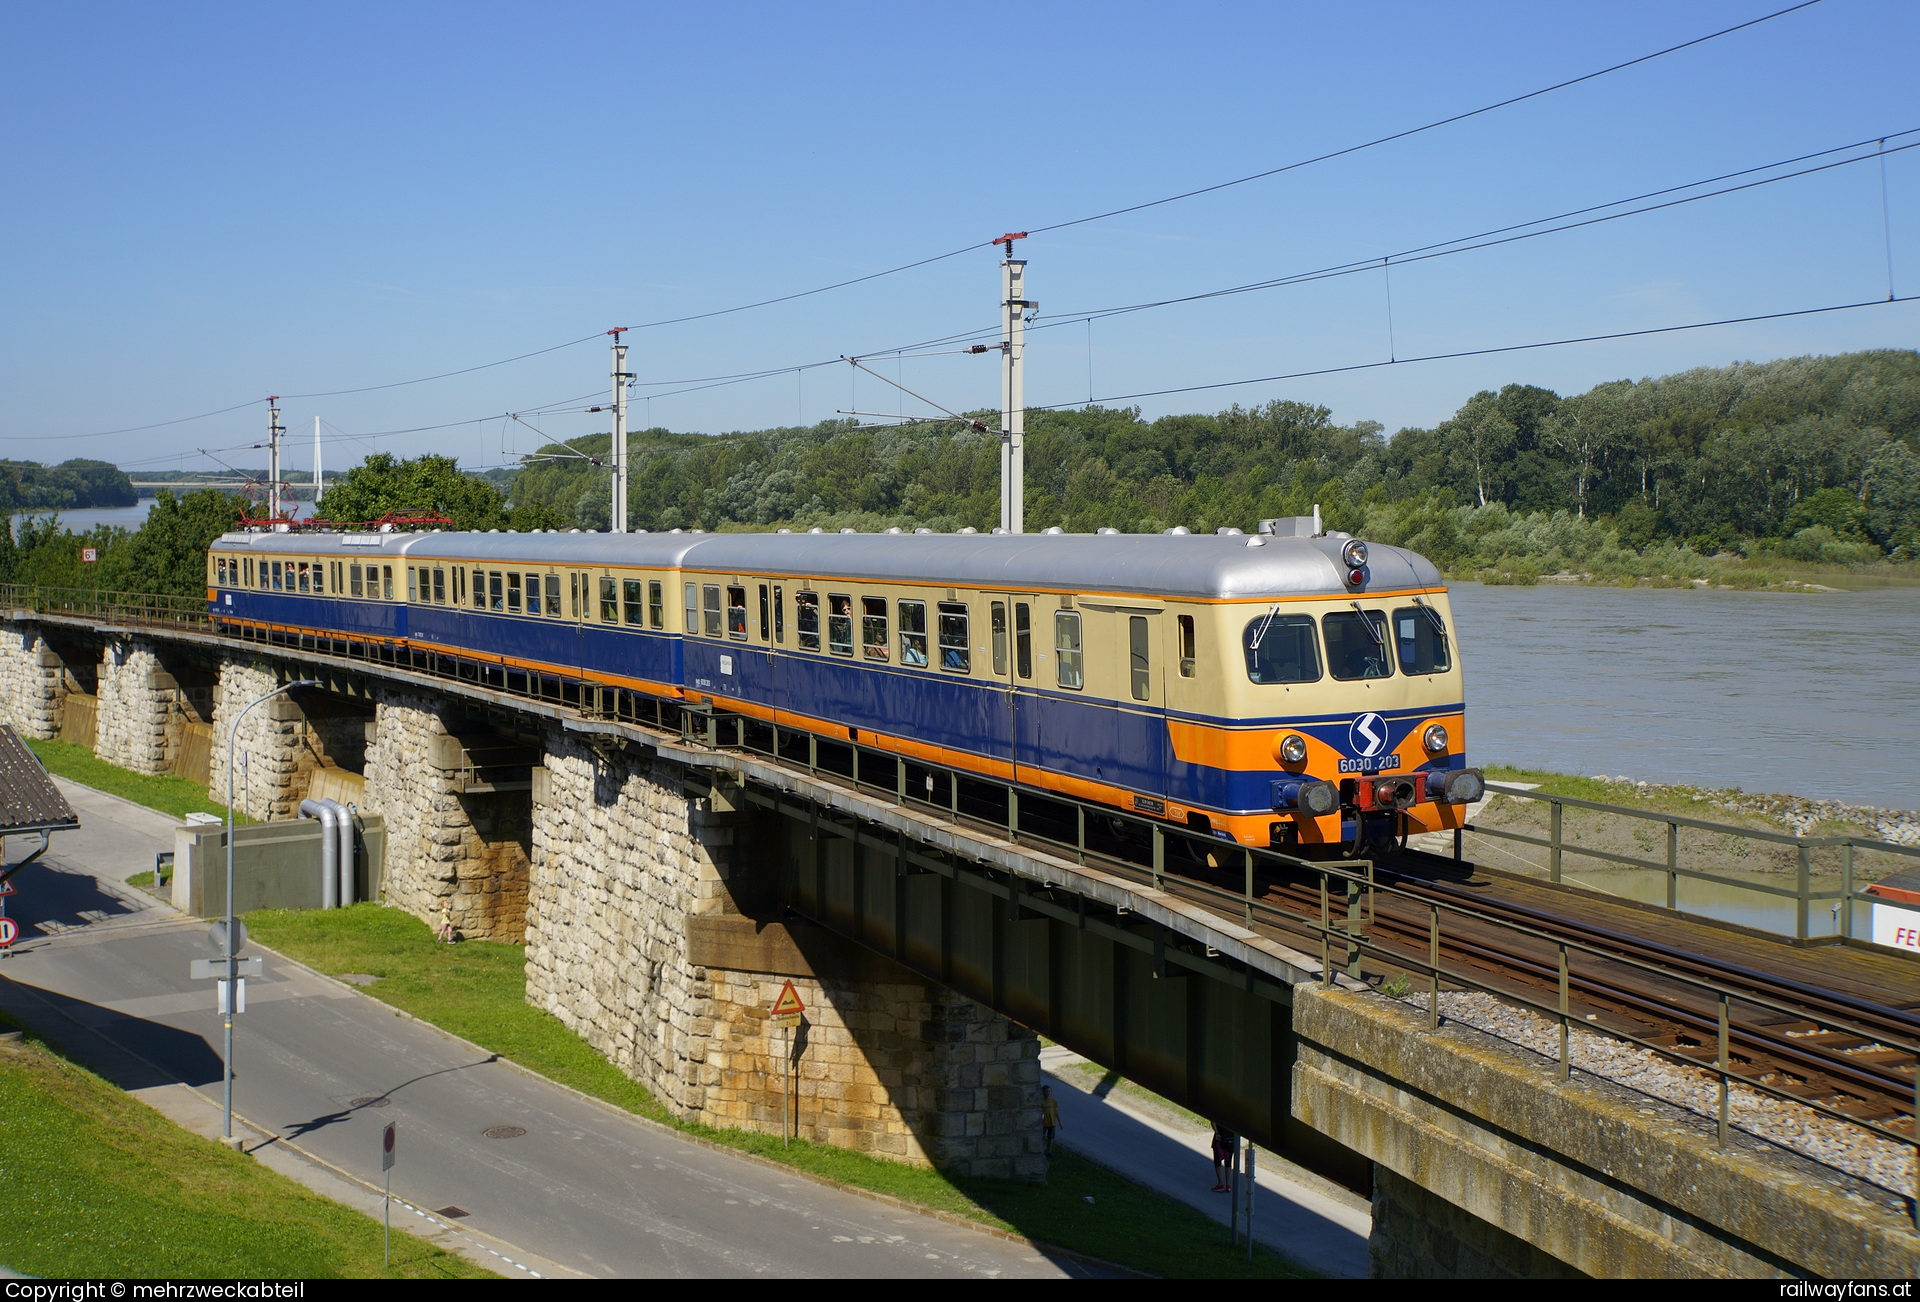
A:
130, 608
1804, 892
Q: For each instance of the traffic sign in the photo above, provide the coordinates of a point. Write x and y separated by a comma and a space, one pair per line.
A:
217, 937
386, 1148
9, 931
8, 888
788, 1004
202, 969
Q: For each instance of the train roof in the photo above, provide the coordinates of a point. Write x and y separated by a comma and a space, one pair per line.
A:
1197, 565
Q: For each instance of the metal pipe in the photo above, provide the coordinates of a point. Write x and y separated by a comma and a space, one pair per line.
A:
329, 818
344, 857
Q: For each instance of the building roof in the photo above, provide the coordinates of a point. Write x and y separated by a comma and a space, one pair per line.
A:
28, 798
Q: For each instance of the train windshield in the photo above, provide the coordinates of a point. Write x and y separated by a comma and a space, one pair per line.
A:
1282, 649
1357, 648
1421, 640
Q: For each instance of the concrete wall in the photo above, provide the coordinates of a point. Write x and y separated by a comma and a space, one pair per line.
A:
275, 865
1469, 1134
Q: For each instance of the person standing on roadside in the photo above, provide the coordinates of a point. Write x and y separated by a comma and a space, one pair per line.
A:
1049, 1116
1224, 1144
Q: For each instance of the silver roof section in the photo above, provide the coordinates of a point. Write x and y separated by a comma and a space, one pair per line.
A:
1192, 565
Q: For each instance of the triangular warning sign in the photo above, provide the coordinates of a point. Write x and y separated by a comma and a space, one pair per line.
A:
788, 1003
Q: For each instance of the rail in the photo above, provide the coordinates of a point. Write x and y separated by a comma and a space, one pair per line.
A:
1803, 893
1177, 860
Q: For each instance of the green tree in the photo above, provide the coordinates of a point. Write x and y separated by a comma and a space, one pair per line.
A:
384, 486
168, 553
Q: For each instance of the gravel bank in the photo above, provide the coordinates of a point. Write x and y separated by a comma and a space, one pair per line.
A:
1796, 814
1834, 1144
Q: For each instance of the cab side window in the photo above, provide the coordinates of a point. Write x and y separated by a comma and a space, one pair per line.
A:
1420, 639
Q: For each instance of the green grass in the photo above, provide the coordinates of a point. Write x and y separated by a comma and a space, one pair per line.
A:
476, 989
100, 1185
170, 795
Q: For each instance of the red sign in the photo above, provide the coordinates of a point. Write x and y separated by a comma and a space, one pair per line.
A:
9, 930
7, 888
788, 1004
89, 554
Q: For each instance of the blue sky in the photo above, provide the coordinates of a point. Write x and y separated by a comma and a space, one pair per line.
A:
210, 203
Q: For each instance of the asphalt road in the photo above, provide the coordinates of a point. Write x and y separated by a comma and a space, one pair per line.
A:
320, 1068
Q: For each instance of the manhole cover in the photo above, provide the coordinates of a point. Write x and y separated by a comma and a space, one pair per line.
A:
370, 1102
504, 1132
451, 1213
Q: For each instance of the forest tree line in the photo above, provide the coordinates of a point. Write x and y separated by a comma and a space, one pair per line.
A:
1809, 459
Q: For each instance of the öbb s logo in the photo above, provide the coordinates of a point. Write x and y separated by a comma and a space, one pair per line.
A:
1367, 736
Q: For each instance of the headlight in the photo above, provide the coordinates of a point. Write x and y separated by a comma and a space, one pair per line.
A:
1354, 554
1434, 738
1293, 748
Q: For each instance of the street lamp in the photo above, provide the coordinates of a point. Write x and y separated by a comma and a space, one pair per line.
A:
232, 957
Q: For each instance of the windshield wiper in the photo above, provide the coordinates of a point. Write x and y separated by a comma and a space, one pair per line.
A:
1265, 624
1439, 626
1366, 622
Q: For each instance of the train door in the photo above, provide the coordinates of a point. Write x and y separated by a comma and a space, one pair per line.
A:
1022, 661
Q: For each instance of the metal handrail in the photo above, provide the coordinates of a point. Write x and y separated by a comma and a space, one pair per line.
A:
1802, 893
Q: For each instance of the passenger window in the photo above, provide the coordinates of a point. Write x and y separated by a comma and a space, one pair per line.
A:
873, 628
656, 603
513, 591
479, 589
496, 591
553, 595
806, 619
303, 576
247, 568
630, 600
320, 576
1356, 647
1281, 649
386, 581
1137, 657
913, 633
1421, 639
779, 613
1022, 639
459, 593
609, 600
737, 612
1187, 657
955, 654
1000, 639
840, 623
692, 625
412, 587
1066, 646
711, 610
766, 614
439, 586
533, 594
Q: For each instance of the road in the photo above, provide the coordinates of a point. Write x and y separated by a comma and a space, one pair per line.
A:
1295, 1213
585, 1190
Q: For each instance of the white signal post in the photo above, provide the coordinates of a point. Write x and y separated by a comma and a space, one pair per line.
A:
620, 378
1014, 305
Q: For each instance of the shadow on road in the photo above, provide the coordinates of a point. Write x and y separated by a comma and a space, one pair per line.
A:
132, 1052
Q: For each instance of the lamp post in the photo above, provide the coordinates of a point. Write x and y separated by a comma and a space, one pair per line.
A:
231, 957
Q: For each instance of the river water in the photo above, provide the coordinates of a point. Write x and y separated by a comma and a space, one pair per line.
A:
1815, 694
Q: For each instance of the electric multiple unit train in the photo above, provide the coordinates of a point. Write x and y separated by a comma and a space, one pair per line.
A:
1287, 688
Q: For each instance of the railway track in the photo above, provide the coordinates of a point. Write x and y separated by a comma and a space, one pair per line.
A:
1851, 1053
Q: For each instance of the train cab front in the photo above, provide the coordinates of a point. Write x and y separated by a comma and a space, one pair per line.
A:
1416, 780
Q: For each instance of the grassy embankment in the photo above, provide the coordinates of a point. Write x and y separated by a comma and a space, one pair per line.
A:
476, 989
170, 795
99, 1185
